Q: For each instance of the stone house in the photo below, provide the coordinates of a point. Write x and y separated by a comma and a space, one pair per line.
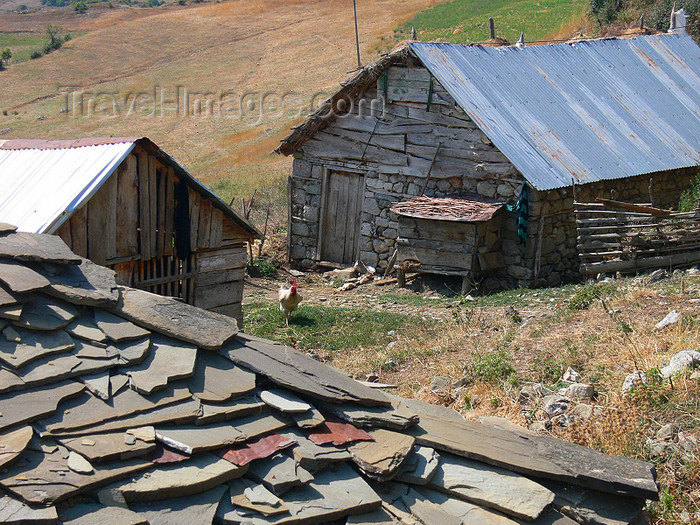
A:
521, 126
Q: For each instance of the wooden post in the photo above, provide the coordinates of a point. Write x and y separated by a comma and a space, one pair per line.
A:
430, 169
357, 34
492, 28
401, 277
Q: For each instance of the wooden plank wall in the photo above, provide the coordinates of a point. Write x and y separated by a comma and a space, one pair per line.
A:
129, 225
404, 139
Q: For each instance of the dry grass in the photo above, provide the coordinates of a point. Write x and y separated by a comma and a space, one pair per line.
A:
494, 352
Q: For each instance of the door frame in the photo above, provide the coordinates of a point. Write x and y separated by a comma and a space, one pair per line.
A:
325, 181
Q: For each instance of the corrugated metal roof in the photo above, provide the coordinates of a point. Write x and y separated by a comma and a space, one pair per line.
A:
42, 182
587, 111
39, 188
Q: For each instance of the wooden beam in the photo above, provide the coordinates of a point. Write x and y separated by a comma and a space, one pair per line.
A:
144, 206
153, 208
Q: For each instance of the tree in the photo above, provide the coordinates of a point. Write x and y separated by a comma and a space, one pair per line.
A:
54, 33
5, 57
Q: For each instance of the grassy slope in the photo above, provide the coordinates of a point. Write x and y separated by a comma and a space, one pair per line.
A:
417, 335
239, 46
468, 20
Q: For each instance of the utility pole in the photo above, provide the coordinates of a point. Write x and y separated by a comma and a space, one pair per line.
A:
357, 35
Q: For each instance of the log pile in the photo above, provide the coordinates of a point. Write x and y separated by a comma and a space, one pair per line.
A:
615, 236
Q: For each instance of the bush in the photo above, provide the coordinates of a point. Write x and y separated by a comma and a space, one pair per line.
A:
491, 367
690, 198
36, 54
605, 11
80, 7
262, 268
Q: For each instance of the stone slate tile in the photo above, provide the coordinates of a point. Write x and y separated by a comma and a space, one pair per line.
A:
86, 284
297, 372
313, 457
279, 474
7, 228
163, 455
382, 457
176, 319
199, 509
168, 360
20, 278
12, 312
284, 401
133, 351
7, 298
308, 420
240, 487
466, 512
107, 447
492, 487
589, 506
421, 408
84, 327
194, 439
117, 328
377, 517
538, 456
176, 480
553, 517
260, 448
30, 405
97, 384
331, 495
46, 313
36, 247
16, 512
180, 412
395, 417
44, 478
234, 408
217, 379
33, 345
420, 466
89, 411
96, 514
53, 369
13, 443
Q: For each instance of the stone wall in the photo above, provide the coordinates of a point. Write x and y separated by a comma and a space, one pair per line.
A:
395, 169
399, 155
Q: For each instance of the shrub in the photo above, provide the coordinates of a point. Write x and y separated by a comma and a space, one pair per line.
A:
262, 268
605, 11
36, 54
491, 367
80, 7
690, 198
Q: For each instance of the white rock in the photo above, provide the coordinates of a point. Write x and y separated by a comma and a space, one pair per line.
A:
284, 401
633, 380
571, 376
79, 464
672, 318
681, 361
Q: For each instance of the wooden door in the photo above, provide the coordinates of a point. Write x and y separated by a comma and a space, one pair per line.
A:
340, 220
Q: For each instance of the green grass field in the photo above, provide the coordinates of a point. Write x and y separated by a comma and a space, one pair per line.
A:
468, 20
22, 44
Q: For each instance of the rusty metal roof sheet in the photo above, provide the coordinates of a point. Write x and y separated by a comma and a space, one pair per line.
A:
588, 111
455, 209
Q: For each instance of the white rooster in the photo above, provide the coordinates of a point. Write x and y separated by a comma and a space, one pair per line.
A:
289, 299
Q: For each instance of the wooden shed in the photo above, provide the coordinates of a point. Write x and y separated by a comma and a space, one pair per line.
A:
126, 204
450, 235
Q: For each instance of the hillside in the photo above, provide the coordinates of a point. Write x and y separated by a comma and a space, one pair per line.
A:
239, 48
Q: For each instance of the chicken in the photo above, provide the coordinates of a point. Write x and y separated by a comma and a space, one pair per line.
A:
289, 299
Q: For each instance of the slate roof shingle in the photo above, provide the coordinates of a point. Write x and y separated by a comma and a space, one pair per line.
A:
142, 409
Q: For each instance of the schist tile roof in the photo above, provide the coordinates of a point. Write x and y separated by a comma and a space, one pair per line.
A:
43, 182
119, 406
